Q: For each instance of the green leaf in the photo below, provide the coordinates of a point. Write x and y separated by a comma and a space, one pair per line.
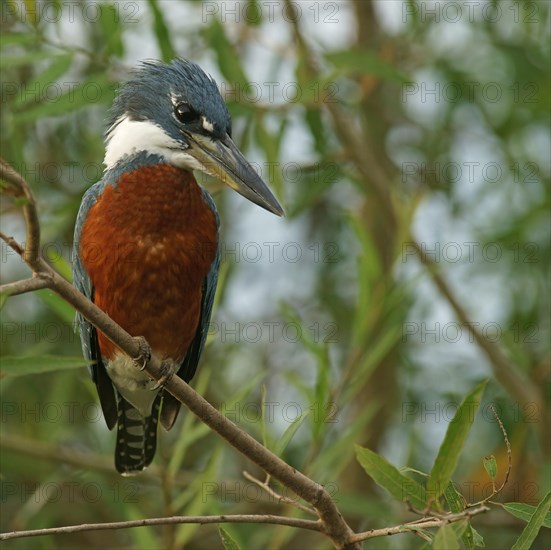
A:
95, 90
20, 366
19, 38
62, 266
388, 477
263, 409
161, 32
445, 539
490, 465
365, 62
530, 532
228, 60
453, 498
253, 13
44, 84
460, 527
109, 22
456, 434
525, 512
311, 183
270, 143
10, 61
288, 434
317, 129
227, 541
3, 298
201, 497
456, 504
477, 538
57, 304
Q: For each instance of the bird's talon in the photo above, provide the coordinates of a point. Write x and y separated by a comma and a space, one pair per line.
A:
144, 354
168, 368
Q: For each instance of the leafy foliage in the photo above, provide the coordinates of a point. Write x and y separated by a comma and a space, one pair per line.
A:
374, 139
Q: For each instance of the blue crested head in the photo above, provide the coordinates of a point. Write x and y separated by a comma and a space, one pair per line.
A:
173, 113
155, 89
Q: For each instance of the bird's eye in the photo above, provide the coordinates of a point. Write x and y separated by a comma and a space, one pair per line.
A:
184, 113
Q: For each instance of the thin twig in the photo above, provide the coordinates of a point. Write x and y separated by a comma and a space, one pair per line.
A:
202, 520
509, 466
426, 523
23, 191
12, 243
280, 498
512, 380
24, 286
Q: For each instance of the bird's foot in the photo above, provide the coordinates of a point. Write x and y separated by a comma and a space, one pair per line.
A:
168, 368
144, 354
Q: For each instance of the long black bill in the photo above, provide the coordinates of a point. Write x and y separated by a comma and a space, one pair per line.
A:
224, 161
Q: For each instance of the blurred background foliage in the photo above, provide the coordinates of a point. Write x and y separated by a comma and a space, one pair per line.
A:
409, 142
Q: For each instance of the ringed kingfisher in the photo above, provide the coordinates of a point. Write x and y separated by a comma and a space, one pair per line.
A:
146, 247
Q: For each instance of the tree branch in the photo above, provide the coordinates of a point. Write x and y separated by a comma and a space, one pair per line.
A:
280, 498
509, 377
26, 285
425, 523
332, 522
202, 520
19, 188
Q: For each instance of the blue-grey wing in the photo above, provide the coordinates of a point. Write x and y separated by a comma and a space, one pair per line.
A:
191, 360
87, 331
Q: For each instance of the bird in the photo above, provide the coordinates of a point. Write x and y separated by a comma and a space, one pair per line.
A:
146, 242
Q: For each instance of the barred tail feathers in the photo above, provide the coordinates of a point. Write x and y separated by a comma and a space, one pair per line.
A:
136, 436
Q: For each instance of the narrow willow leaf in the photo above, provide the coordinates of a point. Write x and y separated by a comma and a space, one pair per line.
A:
62, 266
17, 38
59, 305
3, 298
388, 477
490, 465
97, 89
456, 504
161, 32
266, 439
59, 66
456, 434
530, 532
365, 62
20, 366
460, 527
445, 539
478, 541
30, 58
453, 498
228, 542
228, 60
525, 512
110, 23
289, 433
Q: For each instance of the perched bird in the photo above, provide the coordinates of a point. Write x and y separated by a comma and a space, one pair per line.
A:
146, 241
